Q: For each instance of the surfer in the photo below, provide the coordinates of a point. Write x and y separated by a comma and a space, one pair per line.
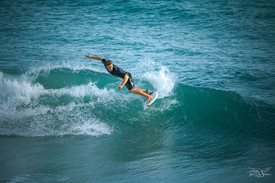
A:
126, 76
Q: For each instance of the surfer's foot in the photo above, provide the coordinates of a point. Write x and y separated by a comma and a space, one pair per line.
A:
149, 99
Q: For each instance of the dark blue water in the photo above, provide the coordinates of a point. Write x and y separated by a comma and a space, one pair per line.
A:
62, 118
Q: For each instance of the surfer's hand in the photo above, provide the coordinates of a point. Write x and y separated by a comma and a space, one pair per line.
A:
87, 56
120, 87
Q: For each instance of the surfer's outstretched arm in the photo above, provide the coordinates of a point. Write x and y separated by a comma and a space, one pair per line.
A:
94, 57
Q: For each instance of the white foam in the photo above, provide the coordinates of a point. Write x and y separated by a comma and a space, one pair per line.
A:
71, 119
16, 91
91, 127
22, 112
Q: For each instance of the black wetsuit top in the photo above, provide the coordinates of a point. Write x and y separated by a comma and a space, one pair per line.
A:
118, 72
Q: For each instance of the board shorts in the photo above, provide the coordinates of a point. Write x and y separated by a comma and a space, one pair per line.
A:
130, 82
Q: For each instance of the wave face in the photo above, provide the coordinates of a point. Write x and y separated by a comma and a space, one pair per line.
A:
56, 101
64, 100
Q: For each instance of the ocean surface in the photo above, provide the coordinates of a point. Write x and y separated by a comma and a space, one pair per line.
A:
62, 118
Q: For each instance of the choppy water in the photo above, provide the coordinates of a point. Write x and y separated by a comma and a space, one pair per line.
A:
63, 119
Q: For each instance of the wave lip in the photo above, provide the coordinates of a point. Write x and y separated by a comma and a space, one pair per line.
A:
18, 90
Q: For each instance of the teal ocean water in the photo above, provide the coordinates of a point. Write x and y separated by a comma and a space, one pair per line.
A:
62, 118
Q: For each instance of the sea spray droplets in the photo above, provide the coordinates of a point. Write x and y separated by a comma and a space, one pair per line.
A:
94, 128
156, 74
161, 80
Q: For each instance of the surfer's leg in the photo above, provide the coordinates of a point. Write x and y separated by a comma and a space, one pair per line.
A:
146, 91
131, 87
142, 93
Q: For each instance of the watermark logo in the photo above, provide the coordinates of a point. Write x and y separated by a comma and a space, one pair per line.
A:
259, 173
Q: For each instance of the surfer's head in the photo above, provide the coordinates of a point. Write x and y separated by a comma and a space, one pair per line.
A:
109, 65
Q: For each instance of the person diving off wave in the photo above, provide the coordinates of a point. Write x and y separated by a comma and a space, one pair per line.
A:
126, 76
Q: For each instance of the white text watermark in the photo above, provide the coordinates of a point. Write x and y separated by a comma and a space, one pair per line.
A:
259, 173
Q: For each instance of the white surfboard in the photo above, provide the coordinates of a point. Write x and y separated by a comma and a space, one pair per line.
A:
155, 96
